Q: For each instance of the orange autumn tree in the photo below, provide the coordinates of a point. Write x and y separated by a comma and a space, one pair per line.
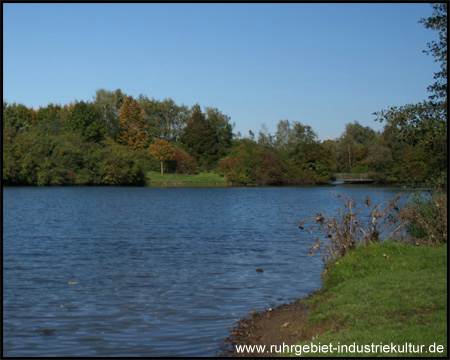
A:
133, 130
163, 151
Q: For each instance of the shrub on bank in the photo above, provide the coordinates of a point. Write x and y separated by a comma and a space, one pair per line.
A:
345, 230
427, 218
421, 222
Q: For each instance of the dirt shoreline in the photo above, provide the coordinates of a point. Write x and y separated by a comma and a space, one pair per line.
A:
282, 325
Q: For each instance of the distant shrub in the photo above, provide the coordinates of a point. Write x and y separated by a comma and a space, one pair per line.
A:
236, 172
185, 163
119, 171
270, 168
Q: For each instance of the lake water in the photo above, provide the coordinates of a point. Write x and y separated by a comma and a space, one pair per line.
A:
94, 271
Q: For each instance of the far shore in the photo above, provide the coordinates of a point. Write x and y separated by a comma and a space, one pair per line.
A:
187, 184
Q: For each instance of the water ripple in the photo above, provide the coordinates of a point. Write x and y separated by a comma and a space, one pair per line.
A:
149, 272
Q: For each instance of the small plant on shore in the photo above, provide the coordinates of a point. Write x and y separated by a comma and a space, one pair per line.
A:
346, 230
427, 218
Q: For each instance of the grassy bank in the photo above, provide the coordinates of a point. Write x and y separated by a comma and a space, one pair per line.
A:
383, 293
200, 180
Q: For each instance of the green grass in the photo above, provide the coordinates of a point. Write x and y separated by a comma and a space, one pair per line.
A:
203, 179
372, 298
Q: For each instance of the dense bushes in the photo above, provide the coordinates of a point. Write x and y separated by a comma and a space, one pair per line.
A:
34, 158
427, 218
185, 163
251, 163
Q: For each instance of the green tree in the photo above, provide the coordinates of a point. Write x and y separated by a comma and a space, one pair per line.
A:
85, 120
265, 139
223, 129
380, 159
283, 138
290, 136
119, 98
165, 119
16, 116
108, 104
425, 123
353, 148
200, 138
362, 135
242, 165
52, 118
438, 22
316, 162
173, 118
26, 157
49, 114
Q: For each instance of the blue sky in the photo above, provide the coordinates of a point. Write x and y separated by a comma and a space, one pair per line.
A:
324, 65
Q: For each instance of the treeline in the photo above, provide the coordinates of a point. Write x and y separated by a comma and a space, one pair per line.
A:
116, 139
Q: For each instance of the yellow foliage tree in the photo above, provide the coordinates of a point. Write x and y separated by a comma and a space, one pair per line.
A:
163, 151
133, 130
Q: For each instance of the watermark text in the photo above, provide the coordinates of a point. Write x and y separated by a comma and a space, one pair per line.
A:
406, 348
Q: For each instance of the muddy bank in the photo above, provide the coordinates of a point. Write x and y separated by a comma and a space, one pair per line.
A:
285, 324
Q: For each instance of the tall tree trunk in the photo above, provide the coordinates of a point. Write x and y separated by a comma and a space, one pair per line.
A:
162, 168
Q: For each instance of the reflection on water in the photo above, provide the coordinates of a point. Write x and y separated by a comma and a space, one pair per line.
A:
151, 272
